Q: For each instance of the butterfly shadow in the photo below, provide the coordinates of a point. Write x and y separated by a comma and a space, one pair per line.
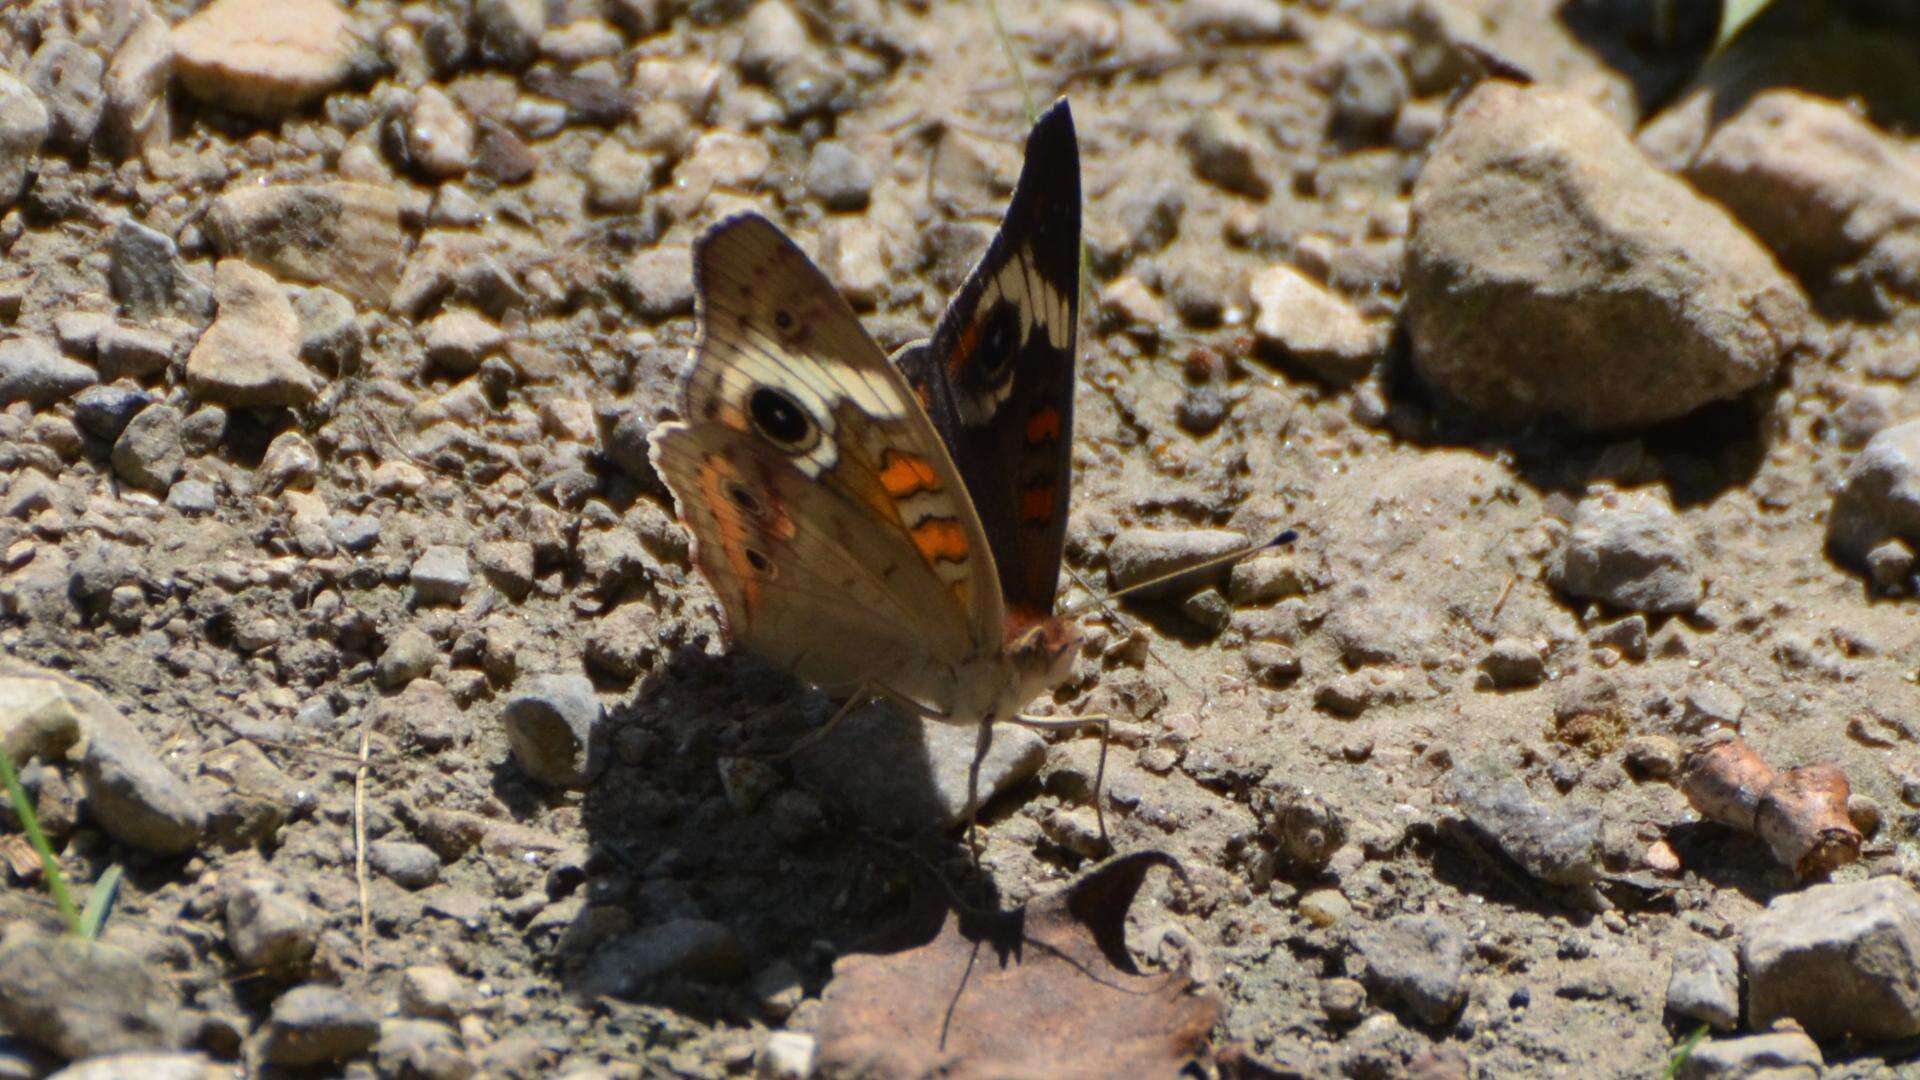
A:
720, 881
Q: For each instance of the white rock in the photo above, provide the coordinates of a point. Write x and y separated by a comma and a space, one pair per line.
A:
788, 1055
250, 356
1298, 319
264, 57
439, 135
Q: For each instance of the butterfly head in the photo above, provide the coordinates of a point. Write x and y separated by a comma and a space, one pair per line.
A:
1041, 648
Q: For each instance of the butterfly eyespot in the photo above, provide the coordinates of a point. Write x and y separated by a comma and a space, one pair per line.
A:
743, 499
760, 563
998, 340
780, 418
783, 319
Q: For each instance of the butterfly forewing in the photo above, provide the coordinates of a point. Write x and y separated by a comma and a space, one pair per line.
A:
824, 506
998, 374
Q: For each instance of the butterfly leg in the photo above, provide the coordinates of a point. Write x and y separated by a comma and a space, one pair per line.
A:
1075, 723
981, 743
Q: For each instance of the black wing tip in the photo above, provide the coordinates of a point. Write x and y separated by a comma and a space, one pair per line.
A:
1053, 133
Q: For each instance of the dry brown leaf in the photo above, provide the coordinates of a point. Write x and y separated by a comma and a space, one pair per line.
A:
1047, 990
19, 857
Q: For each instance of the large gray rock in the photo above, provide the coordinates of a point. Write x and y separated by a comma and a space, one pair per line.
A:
1879, 498
132, 794
1555, 842
23, 129
1779, 1055
441, 574
1705, 985
1554, 272
692, 948
149, 453
81, 998
141, 268
1630, 550
66, 76
421, 1048
270, 927
36, 719
136, 117
1842, 960
1821, 186
104, 411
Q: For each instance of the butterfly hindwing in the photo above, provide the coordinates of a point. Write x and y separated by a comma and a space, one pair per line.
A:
997, 376
823, 503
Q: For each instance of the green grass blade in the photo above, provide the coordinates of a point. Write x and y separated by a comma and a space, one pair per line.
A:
1734, 17
100, 902
1683, 1052
1013, 60
56, 881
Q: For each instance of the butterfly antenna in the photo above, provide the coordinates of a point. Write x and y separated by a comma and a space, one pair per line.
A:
1125, 623
1101, 600
1104, 601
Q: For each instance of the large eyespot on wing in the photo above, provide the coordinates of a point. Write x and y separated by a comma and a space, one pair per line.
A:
784, 366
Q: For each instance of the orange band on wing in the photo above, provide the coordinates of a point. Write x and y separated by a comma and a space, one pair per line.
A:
963, 349
730, 522
1043, 426
940, 538
1036, 505
906, 473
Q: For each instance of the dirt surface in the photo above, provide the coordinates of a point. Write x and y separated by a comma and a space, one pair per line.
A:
468, 508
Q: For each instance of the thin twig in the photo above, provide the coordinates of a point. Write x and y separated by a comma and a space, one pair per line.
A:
360, 842
276, 744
